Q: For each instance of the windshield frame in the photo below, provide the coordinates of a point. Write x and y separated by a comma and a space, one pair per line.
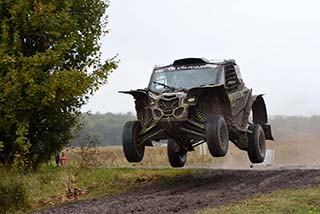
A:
188, 67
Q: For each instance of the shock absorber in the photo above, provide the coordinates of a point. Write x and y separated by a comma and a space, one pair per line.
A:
200, 116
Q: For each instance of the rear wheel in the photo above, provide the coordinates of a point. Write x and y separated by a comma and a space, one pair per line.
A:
177, 157
132, 150
217, 136
257, 144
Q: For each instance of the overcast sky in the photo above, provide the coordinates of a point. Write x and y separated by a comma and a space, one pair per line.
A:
275, 43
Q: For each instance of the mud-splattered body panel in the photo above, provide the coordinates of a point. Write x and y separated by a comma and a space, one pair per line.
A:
181, 113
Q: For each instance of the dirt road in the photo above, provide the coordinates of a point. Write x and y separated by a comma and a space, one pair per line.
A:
189, 193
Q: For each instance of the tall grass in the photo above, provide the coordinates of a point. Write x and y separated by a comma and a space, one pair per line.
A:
302, 151
13, 195
154, 156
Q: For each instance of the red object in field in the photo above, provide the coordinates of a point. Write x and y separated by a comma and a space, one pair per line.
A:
63, 160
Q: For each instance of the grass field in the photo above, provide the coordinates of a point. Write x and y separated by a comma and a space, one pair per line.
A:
154, 156
305, 200
302, 151
53, 186
90, 173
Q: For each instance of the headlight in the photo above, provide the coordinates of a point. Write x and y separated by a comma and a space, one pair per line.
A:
191, 99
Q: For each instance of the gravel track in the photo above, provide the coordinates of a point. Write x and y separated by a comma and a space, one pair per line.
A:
186, 194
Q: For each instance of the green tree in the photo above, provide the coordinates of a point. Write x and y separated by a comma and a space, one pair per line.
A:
49, 66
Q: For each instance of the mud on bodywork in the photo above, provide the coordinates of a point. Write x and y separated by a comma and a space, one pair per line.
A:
179, 114
260, 115
182, 114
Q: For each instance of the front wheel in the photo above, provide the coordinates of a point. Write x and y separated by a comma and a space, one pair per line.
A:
132, 150
177, 157
217, 136
257, 144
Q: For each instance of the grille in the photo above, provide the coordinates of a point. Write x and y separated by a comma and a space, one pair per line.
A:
168, 106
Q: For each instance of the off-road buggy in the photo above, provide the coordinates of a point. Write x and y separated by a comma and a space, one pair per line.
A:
195, 101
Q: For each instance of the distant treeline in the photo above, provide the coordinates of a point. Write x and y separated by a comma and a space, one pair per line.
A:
106, 129
295, 127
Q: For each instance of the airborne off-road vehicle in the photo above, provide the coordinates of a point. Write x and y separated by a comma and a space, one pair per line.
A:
195, 101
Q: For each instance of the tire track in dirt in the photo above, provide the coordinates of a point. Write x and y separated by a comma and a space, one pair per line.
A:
186, 194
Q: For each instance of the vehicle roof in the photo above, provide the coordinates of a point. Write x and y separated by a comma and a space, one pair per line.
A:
196, 61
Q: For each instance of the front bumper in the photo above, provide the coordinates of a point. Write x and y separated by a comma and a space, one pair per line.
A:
170, 108
170, 118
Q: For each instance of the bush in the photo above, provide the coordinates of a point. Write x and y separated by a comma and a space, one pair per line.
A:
13, 195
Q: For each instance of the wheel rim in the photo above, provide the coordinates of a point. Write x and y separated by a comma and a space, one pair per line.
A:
180, 153
182, 156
